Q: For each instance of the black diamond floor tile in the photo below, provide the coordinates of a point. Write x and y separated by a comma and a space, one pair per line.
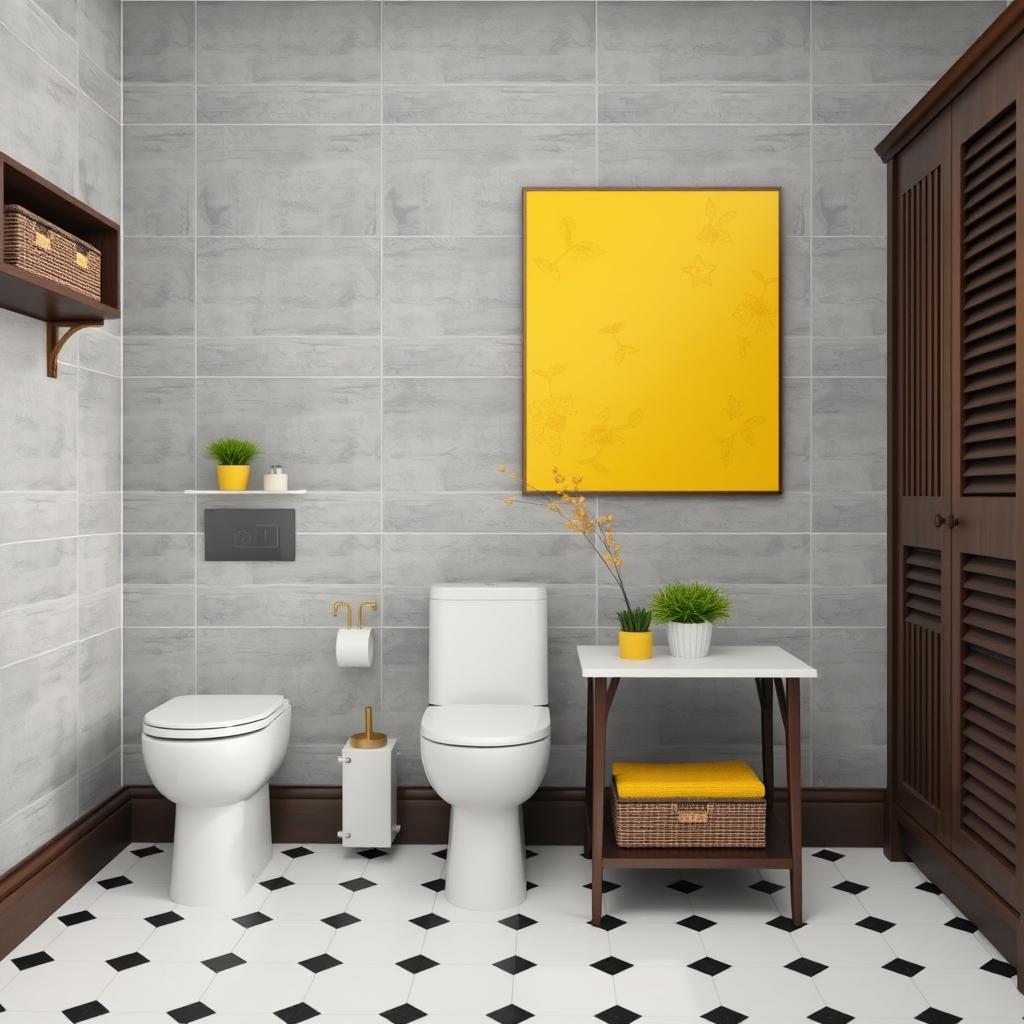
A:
297, 1014
610, 922
189, 1013
510, 1014
251, 920
147, 851
86, 1011
808, 968
827, 1015
416, 964
295, 852
166, 918
708, 965
443, 854
372, 854
768, 887
611, 965
606, 886
933, 1016
617, 1015
516, 922
123, 963
23, 963
1000, 967
430, 921
79, 917
404, 1014
961, 924
784, 924
930, 887
853, 888
358, 884
276, 883
828, 855
514, 964
531, 853
696, 923
224, 962
905, 967
339, 920
723, 1015
531, 885
317, 964
114, 883
875, 924
685, 886
436, 885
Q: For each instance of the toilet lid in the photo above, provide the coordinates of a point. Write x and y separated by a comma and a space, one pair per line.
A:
485, 725
207, 715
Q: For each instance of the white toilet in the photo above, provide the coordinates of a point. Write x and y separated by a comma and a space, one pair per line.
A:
486, 737
213, 756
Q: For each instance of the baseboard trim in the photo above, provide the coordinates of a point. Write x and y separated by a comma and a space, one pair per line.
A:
554, 816
33, 889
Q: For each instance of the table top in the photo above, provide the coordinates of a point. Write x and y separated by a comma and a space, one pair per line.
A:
739, 662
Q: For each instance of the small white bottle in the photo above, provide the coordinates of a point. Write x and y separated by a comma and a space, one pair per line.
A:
276, 479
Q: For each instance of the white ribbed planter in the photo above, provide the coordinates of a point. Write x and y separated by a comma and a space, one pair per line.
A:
689, 639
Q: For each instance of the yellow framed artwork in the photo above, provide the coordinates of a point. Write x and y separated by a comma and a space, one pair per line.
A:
651, 339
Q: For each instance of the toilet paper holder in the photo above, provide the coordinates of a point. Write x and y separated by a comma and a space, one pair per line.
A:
372, 605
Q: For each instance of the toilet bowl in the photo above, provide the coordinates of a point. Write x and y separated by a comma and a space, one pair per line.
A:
213, 755
485, 739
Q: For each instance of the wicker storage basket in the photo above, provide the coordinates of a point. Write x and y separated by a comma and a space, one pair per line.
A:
36, 245
689, 822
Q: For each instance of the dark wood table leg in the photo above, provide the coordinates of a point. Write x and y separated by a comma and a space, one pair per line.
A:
794, 794
589, 768
599, 689
764, 696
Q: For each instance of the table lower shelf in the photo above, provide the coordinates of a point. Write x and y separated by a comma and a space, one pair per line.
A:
775, 854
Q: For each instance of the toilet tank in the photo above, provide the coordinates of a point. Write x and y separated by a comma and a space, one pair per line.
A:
488, 644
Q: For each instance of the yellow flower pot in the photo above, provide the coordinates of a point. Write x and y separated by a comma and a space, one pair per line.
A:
636, 646
233, 478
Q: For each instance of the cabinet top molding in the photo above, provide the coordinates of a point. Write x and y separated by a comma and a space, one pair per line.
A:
1001, 34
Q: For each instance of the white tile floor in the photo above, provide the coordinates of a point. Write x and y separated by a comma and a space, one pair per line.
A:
340, 936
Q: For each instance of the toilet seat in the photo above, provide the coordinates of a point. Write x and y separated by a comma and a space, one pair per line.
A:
212, 716
485, 725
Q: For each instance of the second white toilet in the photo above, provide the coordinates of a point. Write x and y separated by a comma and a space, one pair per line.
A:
486, 737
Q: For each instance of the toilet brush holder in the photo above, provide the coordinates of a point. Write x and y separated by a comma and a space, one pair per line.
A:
369, 789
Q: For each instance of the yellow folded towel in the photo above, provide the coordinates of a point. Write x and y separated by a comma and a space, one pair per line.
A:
717, 780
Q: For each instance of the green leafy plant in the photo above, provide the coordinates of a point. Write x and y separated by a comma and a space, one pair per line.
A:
232, 451
689, 602
634, 620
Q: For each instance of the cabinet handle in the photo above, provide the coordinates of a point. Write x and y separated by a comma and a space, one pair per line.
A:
954, 522
940, 520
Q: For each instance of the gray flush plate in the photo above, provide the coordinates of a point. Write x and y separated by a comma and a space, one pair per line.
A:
250, 534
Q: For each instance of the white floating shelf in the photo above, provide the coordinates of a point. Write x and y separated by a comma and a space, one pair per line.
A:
253, 494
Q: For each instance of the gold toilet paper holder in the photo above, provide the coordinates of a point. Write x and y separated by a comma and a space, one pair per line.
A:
368, 740
372, 605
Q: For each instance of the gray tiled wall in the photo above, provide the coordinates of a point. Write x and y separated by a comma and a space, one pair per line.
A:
60, 488
323, 204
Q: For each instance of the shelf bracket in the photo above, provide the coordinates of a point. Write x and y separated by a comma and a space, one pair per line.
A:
55, 341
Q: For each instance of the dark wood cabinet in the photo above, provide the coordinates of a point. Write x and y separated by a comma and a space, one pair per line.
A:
956, 290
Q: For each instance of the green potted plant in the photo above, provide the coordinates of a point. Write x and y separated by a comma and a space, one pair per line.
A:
232, 455
689, 611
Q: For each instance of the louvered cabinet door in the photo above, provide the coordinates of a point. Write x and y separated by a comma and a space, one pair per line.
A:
920, 558
987, 158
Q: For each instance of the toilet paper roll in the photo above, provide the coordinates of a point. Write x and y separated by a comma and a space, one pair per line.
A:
354, 648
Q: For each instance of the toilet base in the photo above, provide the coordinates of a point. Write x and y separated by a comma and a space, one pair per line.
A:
219, 852
486, 863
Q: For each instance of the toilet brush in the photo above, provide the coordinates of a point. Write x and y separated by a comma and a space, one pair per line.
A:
368, 740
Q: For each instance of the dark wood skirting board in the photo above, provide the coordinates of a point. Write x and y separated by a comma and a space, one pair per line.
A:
554, 816
35, 888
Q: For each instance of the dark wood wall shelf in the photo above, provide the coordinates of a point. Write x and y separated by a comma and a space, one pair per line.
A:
64, 310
